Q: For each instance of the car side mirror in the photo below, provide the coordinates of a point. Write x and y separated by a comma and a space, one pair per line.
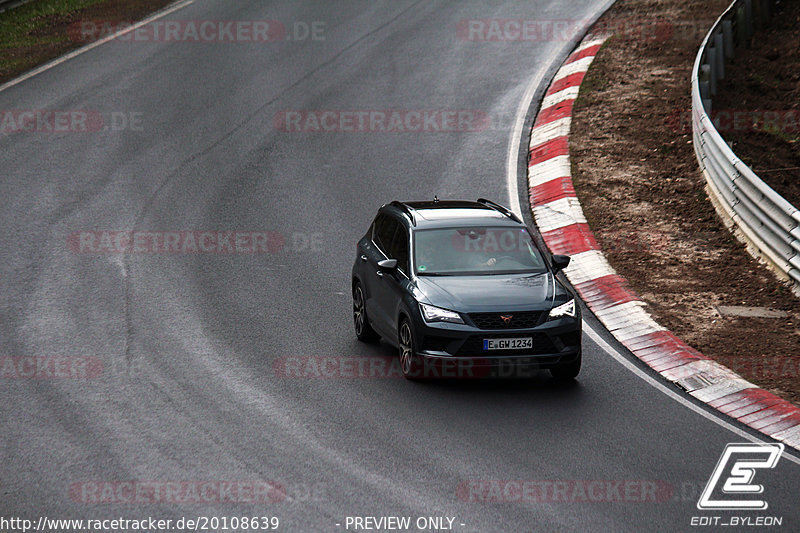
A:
560, 262
388, 264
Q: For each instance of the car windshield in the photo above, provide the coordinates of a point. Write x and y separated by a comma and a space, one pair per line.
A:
475, 251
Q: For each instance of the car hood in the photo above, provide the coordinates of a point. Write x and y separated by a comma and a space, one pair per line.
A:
489, 293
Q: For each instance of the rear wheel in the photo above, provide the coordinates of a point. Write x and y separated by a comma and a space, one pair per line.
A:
568, 371
409, 362
364, 331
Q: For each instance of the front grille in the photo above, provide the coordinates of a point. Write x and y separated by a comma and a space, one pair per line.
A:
473, 346
518, 320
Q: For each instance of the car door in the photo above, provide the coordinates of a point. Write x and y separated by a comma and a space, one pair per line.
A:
383, 230
391, 285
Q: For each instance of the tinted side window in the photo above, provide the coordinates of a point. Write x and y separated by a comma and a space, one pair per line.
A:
399, 248
385, 227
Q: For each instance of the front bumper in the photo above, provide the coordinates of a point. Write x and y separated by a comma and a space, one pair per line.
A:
457, 350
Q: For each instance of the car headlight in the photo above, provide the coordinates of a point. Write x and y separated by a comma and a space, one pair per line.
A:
567, 309
436, 314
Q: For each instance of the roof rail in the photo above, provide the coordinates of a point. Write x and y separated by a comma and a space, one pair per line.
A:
497, 207
408, 210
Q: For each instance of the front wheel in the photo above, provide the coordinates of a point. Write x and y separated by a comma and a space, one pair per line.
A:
568, 371
364, 331
409, 363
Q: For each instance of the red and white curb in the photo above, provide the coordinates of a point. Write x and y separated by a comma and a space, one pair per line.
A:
560, 219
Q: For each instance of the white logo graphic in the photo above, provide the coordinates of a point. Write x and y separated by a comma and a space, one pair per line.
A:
745, 459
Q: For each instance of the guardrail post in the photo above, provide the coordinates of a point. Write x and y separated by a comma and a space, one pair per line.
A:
711, 57
704, 85
719, 48
758, 14
740, 31
748, 22
727, 37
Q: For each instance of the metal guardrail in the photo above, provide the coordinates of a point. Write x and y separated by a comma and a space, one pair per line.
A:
764, 219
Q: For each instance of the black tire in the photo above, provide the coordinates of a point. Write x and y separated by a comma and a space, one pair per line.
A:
568, 371
409, 362
364, 331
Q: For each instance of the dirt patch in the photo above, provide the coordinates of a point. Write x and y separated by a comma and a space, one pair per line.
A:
642, 191
763, 84
39, 31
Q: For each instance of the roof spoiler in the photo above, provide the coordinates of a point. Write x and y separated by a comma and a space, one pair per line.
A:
408, 210
497, 207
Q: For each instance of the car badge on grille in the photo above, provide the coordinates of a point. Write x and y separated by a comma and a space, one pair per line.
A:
506, 318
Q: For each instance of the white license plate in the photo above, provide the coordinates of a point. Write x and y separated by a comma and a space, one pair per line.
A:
508, 344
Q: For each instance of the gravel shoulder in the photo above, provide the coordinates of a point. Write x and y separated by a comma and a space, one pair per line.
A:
642, 192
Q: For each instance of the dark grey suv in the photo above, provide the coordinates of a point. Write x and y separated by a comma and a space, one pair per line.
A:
463, 290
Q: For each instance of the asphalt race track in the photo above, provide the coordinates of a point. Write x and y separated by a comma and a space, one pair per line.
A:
195, 347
